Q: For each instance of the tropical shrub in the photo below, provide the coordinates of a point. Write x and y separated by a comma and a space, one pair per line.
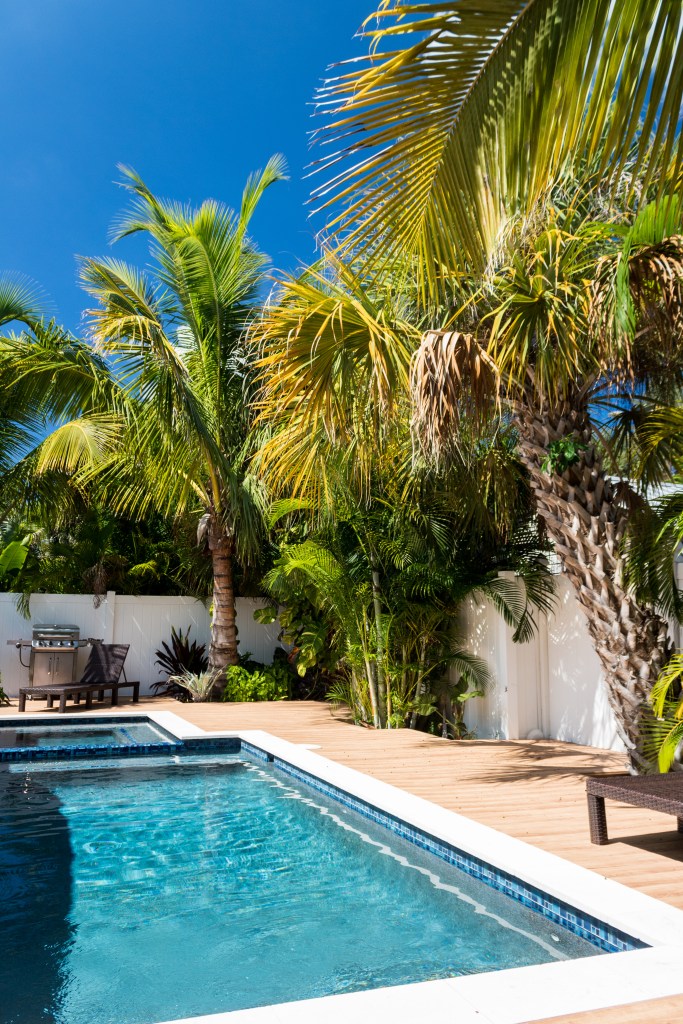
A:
4, 699
180, 658
266, 682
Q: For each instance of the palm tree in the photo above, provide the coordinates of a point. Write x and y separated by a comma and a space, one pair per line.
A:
581, 320
172, 339
453, 145
393, 548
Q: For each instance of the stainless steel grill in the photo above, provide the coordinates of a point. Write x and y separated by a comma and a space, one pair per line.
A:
53, 650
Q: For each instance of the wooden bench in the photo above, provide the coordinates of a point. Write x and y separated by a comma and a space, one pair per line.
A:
656, 792
76, 691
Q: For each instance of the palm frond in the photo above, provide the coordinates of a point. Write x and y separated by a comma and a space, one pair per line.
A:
463, 115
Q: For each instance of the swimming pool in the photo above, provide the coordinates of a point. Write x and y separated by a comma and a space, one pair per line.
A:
214, 883
256, 872
36, 739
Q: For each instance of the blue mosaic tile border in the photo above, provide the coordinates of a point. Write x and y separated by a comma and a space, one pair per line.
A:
169, 745
611, 940
13, 754
67, 719
261, 755
222, 745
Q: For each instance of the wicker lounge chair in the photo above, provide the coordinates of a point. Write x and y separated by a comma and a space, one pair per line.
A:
656, 792
103, 672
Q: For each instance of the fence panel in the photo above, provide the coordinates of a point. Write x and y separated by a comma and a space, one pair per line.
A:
142, 622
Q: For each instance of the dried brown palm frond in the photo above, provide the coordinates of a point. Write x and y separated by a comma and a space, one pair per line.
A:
637, 296
452, 378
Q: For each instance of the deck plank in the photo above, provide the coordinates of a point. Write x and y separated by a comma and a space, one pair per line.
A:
533, 790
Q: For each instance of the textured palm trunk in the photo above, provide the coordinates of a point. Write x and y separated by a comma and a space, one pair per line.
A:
586, 522
223, 648
383, 700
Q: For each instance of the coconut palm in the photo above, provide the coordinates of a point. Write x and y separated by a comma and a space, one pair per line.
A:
34, 352
172, 339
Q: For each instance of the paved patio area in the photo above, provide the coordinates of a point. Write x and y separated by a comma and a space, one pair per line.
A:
531, 790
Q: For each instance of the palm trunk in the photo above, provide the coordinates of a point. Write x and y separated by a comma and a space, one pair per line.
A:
587, 522
223, 648
382, 695
420, 687
371, 676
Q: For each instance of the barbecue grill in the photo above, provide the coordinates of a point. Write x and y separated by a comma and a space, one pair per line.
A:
53, 649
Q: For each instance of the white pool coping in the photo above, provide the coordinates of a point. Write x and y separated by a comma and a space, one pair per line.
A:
514, 996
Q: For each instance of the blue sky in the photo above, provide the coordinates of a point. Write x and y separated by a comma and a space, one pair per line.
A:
194, 94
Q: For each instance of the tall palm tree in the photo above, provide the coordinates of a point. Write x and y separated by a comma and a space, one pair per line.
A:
453, 143
172, 339
563, 342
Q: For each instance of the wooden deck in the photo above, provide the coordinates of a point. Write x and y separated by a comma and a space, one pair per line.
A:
531, 790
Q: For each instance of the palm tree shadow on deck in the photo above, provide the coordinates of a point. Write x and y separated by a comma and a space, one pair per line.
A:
542, 761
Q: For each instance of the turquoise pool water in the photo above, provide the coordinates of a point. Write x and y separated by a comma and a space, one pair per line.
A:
85, 734
170, 887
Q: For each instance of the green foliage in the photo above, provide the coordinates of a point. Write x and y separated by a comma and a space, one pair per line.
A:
12, 558
177, 659
266, 682
653, 542
200, 686
562, 454
4, 699
369, 591
665, 732
93, 551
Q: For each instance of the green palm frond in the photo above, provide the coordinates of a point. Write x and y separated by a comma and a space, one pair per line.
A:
664, 732
21, 300
516, 597
653, 541
662, 440
81, 445
464, 114
333, 368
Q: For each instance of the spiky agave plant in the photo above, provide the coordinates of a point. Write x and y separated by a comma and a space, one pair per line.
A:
199, 685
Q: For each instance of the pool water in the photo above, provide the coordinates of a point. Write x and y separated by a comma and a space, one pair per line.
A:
120, 734
185, 885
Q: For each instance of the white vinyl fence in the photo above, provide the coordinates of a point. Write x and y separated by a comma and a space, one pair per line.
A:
551, 687
142, 622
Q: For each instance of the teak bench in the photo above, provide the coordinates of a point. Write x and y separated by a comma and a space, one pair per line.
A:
656, 792
76, 691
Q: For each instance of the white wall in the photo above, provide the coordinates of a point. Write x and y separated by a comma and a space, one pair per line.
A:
552, 685
142, 622
484, 633
578, 708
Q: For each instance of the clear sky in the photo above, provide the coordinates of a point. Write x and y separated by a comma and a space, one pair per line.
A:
194, 94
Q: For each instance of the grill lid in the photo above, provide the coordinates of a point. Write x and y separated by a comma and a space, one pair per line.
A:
46, 630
